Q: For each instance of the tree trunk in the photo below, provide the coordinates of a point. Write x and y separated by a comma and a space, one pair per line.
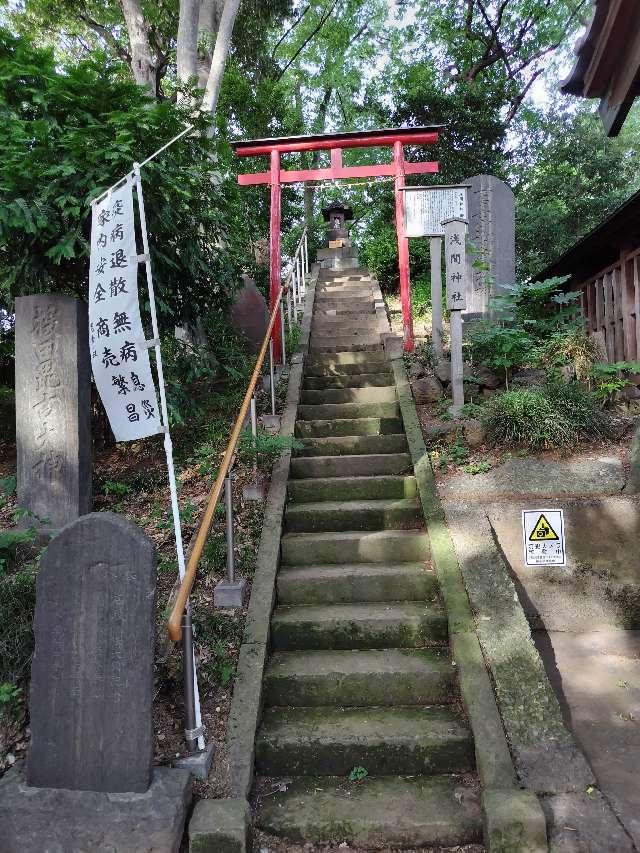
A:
187, 43
208, 23
310, 186
143, 66
220, 53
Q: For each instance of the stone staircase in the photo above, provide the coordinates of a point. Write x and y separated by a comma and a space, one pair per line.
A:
359, 675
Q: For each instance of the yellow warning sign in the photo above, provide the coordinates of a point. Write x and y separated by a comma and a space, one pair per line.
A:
543, 531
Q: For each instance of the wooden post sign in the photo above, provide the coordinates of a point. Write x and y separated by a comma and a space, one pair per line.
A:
455, 253
426, 208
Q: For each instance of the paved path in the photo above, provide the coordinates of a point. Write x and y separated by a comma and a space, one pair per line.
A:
597, 678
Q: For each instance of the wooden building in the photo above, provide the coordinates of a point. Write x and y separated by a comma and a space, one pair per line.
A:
608, 61
605, 268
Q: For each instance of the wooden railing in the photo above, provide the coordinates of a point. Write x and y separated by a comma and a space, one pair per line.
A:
175, 619
610, 303
294, 292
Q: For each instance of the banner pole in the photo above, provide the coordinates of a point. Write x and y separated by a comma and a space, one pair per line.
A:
168, 447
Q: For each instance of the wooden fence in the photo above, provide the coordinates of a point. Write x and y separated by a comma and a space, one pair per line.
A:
610, 303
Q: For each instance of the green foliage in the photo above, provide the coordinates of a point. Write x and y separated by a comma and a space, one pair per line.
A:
114, 487
7, 414
10, 540
527, 315
266, 448
71, 130
574, 347
10, 700
458, 450
608, 379
420, 296
573, 177
7, 488
17, 603
379, 252
218, 637
500, 347
480, 467
556, 416
292, 339
540, 307
422, 354
358, 774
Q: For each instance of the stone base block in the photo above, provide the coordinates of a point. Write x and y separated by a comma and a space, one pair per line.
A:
53, 820
220, 826
229, 594
270, 423
254, 491
198, 763
513, 821
392, 344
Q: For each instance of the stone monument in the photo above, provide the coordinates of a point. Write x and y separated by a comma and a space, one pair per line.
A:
89, 782
53, 408
339, 253
250, 313
491, 215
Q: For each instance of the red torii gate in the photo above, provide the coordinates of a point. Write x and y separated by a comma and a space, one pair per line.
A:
396, 138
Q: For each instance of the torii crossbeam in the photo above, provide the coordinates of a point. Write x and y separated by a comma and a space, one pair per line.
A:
395, 138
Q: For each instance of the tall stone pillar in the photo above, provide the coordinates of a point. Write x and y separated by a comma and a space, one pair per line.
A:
53, 403
491, 214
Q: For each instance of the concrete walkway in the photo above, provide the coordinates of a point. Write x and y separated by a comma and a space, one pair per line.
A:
584, 621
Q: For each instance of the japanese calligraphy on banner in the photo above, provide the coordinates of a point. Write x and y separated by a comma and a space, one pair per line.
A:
427, 207
119, 356
455, 255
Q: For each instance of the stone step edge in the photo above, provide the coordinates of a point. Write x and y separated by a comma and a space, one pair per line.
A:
504, 803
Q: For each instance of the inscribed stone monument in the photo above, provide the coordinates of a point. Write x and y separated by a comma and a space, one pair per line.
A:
53, 431
491, 213
90, 784
92, 672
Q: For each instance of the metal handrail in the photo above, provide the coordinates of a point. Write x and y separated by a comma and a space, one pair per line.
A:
175, 620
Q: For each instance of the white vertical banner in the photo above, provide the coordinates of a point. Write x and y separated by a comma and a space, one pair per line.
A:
455, 255
118, 346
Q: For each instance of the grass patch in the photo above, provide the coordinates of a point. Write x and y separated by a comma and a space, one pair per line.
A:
555, 417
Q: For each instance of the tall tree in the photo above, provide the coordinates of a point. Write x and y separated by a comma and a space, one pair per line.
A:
571, 179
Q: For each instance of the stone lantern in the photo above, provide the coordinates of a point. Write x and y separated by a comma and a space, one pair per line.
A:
336, 216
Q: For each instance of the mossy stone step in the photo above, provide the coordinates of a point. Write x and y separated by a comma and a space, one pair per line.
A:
350, 369
332, 345
345, 358
356, 583
349, 411
385, 546
357, 465
352, 679
327, 427
326, 741
372, 625
337, 322
377, 487
363, 380
355, 339
378, 394
353, 315
383, 813
393, 514
353, 445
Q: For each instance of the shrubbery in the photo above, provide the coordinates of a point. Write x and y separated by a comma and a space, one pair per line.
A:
558, 415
